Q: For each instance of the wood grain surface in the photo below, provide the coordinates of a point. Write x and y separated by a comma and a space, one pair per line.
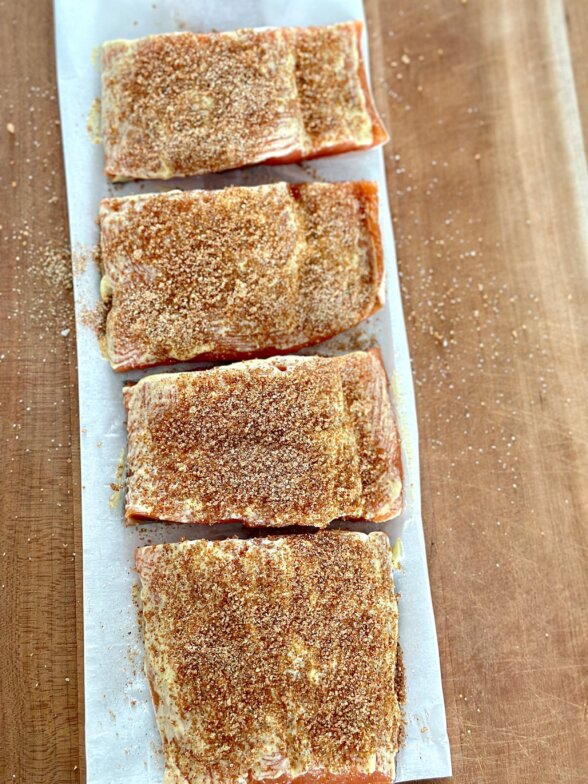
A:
576, 14
489, 192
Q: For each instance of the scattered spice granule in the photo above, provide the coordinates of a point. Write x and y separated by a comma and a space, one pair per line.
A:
43, 266
84, 255
95, 319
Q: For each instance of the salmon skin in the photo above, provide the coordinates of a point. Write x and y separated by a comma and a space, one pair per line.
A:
181, 104
237, 273
276, 442
274, 659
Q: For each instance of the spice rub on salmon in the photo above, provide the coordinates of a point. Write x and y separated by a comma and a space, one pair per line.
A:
180, 104
239, 272
276, 442
274, 659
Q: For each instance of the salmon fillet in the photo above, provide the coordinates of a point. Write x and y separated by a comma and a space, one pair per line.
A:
180, 104
274, 659
276, 442
238, 272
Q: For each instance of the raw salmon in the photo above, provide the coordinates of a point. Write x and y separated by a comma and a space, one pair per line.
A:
180, 104
277, 442
237, 273
274, 659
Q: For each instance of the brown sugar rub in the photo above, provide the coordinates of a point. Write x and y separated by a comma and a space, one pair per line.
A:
180, 104
275, 659
239, 272
276, 442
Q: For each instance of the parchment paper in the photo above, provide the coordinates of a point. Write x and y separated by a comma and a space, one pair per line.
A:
122, 742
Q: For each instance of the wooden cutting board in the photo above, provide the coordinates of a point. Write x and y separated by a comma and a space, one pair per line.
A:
489, 193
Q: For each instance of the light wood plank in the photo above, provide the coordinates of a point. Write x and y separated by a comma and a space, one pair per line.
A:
489, 194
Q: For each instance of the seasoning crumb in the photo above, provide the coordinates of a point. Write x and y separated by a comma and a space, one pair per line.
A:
10, 127
84, 255
95, 319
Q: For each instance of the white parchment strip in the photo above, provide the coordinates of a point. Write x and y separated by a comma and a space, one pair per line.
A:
122, 743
